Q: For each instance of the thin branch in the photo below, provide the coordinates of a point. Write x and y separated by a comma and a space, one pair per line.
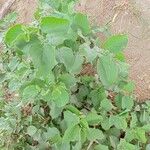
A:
5, 8
90, 144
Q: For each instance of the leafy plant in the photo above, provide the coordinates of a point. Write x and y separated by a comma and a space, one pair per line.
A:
62, 90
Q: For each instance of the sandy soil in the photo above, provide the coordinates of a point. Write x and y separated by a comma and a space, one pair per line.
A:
124, 16
24, 8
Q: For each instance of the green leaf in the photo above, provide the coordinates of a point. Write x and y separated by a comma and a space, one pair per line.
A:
126, 146
14, 85
106, 124
118, 100
60, 95
2, 77
77, 146
118, 122
77, 65
97, 95
123, 69
81, 22
73, 63
130, 135
43, 58
107, 70
72, 44
129, 87
73, 109
84, 130
89, 53
95, 134
66, 56
63, 146
134, 120
68, 79
84, 123
54, 25
114, 141
146, 128
13, 33
52, 135
31, 130
68, 6
72, 134
140, 135
143, 117
95, 98
101, 147
83, 134
70, 118
93, 118
13, 64
148, 147
30, 92
55, 110
4, 125
120, 56
115, 43
127, 102
56, 29
83, 92
106, 104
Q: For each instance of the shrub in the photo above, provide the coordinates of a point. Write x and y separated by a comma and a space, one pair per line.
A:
64, 89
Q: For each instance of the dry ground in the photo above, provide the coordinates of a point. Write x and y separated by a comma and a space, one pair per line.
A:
123, 16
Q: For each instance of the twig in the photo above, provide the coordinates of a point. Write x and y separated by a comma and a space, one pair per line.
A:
90, 144
5, 8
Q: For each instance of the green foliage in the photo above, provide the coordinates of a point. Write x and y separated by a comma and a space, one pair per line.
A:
6, 22
116, 43
81, 22
60, 95
13, 33
107, 70
61, 90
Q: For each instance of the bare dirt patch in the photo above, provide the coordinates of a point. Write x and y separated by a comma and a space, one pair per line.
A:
25, 9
